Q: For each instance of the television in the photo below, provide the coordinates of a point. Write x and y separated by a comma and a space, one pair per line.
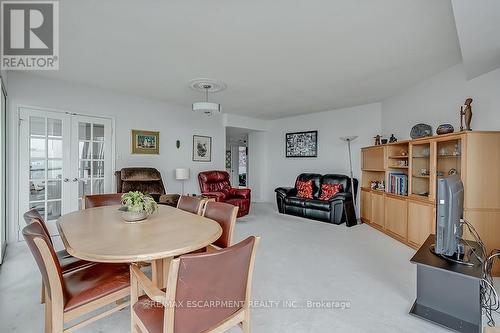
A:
450, 208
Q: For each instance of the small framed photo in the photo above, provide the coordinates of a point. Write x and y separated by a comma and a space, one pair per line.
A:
202, 148
301, 144
145, 142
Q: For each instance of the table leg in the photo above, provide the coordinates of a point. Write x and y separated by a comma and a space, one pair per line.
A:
160, 269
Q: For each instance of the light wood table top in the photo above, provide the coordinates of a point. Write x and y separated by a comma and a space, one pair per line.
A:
100, 235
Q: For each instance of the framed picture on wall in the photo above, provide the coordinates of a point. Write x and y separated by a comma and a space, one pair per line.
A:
301, 144
145, 142
202, 148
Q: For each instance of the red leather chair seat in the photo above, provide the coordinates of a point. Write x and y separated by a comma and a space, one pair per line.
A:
216, 184
90, 283
150, 313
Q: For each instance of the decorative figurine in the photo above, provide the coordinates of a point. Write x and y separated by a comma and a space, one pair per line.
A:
377, 140
384, 141
466, 112
393, 139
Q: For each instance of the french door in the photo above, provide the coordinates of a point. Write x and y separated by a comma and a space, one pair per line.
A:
63, 157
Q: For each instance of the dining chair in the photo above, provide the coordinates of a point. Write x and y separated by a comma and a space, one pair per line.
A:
191, 204
67, 262
221, 279
74, 294
99, 200
224, 214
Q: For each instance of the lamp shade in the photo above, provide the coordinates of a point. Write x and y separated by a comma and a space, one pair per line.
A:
181, 173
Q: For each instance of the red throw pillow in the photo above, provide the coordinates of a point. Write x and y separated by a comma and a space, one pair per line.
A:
305, 189
329, 190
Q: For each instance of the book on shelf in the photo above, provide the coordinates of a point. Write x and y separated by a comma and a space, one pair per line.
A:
398, 183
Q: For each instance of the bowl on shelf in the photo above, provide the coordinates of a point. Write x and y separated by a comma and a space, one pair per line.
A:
444, 129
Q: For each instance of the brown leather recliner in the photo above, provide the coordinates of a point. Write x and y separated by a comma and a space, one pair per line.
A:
216, 184
145, 180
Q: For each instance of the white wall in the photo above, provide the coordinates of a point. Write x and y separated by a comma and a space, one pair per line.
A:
258, 171
438, 99
173, 121
363, 120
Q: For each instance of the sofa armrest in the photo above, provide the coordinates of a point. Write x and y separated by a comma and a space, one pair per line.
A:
285, 191
240, 192
341, 196
218, 196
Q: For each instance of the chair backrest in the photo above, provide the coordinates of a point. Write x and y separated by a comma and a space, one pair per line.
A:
32, 215
46, 258
214, 181
145, 180
220, 280
99, 200
224, 214
191, 204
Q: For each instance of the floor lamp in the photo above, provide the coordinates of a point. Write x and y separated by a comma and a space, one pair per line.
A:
349, 139
182, 174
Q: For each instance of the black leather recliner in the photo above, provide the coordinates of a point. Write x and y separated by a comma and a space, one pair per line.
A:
338, 209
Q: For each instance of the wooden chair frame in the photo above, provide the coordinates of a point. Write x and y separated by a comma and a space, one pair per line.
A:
55, 317
201, 204
141, 284
234, 216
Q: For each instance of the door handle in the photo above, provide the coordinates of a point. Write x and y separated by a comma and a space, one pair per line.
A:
66, 180
75, 179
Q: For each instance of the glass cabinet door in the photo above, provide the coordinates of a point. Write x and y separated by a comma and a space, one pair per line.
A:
449, 158
420, 169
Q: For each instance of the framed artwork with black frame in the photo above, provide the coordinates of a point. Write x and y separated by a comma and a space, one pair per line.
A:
301, 144
202, 148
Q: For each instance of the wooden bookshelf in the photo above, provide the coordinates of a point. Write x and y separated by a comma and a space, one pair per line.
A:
475, 156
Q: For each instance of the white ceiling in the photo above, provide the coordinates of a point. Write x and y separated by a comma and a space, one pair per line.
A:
478, 28
278, 58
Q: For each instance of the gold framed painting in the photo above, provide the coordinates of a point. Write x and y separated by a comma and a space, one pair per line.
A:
145, 142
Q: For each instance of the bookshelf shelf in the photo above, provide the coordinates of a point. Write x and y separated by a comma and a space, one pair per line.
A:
399, 157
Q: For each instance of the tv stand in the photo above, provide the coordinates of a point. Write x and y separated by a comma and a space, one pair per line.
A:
448, 293
464, 255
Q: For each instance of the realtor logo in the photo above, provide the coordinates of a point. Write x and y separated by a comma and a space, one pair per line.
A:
29, 35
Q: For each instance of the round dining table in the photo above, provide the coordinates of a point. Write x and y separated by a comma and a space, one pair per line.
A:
100, 235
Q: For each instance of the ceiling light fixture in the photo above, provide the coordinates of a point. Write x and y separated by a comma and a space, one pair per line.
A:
206, 86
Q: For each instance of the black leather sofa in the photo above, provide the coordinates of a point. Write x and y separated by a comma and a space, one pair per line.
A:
338, 209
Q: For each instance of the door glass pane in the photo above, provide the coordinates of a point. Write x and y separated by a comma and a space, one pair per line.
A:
54, 189
37, 148
98, 169
98, 151
98, 186
84, 150
54, 170
449, 158
39, 206
54, 147
84, 130
421, 169
98, 132
37, 190
53, 210
84, 171
37, 126
37, 169
83, 187
54, 128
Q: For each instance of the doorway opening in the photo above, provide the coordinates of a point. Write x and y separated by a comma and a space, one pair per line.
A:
237, 156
